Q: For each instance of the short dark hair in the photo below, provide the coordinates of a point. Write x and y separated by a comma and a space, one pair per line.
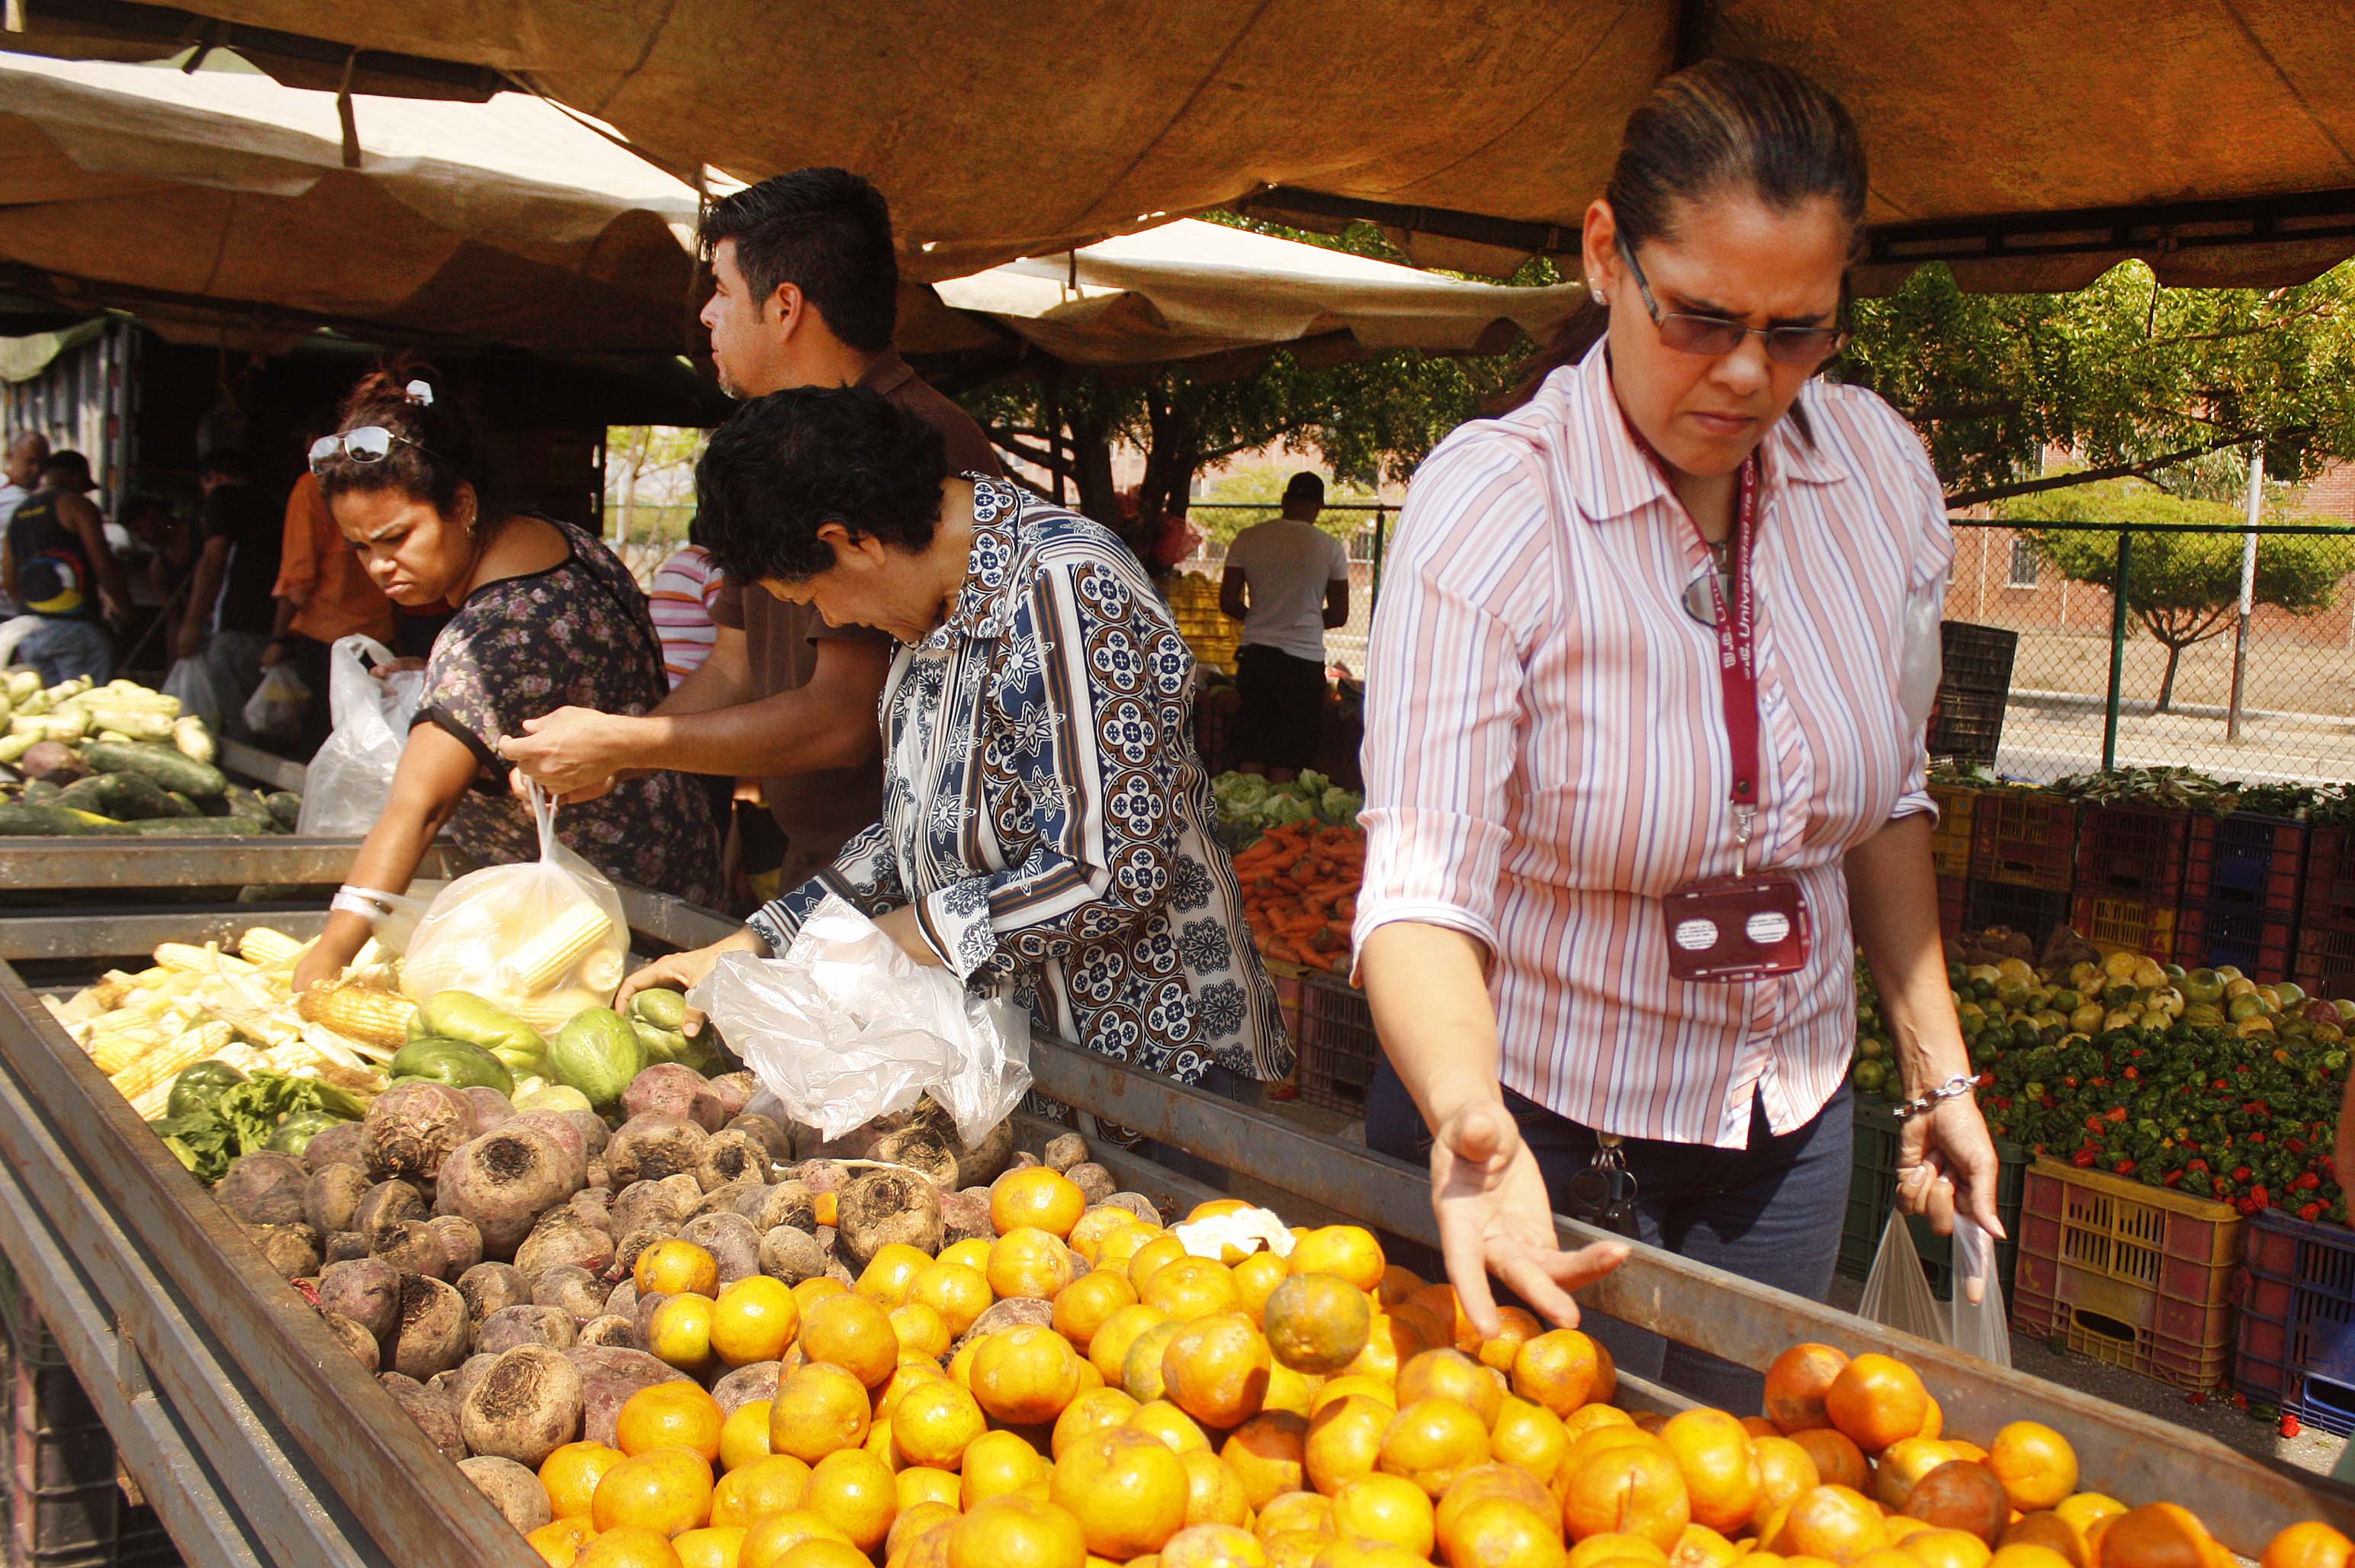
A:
827, 232
227, 462
786, 464
67, 461
1304, 490
439, 448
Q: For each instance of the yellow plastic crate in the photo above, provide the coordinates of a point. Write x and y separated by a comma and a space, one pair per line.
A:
1950, 840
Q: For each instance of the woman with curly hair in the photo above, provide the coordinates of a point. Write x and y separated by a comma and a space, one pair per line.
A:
1046, 822
545, 615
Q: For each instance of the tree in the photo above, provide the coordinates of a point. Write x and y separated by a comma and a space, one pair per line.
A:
2131, 378
2183, 587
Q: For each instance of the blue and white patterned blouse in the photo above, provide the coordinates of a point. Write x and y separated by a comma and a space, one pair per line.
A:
1045, 809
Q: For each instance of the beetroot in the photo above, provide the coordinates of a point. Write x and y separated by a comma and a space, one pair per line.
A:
338, 1145
1094, 1182
355, 1338
559, 1127
767, 1132
1136, 1203
610, 1328
366, 1291
791, 1254
504, 1181
513, 1490
964, 1216
491, 1108
410, 1246
528, 1324
432, 1335
292, 1250
655, 1145
487, 1287
1063, 1151
594, 1133
52, 762
730, 1239
673, 1089
787, 1203
733, 1156
412, 1128
745, 1384
525, 1408
264, 1188
343, 1247
563, 1236
655, 1205
734, 1090
1015, 1312
331, 1199
882, 1207
388, 1203
432, 1409
576, 1290
461, 1243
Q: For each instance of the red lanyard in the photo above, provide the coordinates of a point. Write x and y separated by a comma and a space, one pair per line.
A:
1737, 654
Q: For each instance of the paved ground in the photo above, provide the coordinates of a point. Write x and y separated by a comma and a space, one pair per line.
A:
2046, 735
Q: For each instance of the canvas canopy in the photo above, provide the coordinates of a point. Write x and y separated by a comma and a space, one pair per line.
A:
219, 200
2032, 143
1189, 289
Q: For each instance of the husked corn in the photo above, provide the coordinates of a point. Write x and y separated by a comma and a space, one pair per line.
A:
377, 1017
269, 949
163, 1064
547, 957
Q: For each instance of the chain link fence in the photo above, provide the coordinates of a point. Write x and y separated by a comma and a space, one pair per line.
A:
2171, 676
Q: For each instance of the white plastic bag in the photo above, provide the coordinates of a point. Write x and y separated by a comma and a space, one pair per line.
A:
1897, 1292
345, 791
844, 1027
277, 704
1922, 658
191, 680
542, 939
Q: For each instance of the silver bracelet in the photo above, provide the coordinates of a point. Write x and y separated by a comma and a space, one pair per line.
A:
1954, 1088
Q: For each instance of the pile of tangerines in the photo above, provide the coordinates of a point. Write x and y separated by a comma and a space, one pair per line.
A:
1311, 1409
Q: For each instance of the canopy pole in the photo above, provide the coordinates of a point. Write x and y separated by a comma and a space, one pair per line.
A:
2248, 588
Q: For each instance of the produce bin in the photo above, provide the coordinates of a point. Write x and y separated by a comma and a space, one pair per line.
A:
1975, 658
2325, 957
1950, 840
1872, 1193
2132, 853
1953, 904
1967, 727
2125, 925
2247, 863
2297, 1349
2137, 1276
2253, 941
2023, 839
1338, 1045
2031, 912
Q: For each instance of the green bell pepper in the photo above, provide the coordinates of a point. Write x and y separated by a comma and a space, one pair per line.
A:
199, 1087
294, 1134
463, 1015
458, 1064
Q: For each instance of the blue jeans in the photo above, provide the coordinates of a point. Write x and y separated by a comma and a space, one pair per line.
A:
1771, 1212
61, 650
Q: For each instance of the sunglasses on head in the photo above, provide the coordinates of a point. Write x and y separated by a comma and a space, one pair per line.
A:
369, 443
1716, 335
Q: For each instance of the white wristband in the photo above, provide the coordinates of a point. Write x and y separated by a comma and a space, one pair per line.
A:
365, 902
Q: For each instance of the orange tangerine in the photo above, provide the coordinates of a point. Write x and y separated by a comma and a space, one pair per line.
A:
1433, 1441
664, 1489
908, 1375
1029, 1265
851, 1331
1529, 1436
1701, 1546
821, 1552
1108, 1349
1797, 1383
1191, 1287
1349, 1251
1387, 1508
1876, 1399
1083, 1306
1214, 1546
713, 1546
1559, 1370
1036, 1199
1257, 1278
921, 1332
753, 1320
890, 1276
1121, 1245
1269, 1454
1345, 1441
1017, 1531
1087, 1237
1288, 1389
915, 1519
1626, 1490
1025, 1376
1393, 1341
670, 1415
2311, 1544
998, 1464
1092, 1410
1310, 1512
1501, 1532
819, 1410
628, 1546
769, 1542
934, 1424
1128, 1491
958, 1291
1901, 1467
744, 1435
1587, 1417
1516, 1327
1214, 1492
1159, 1418
1151, 1256
762, 1488
571, 1473
1452, 1374
679, 1333
855, 1492
1838, 1459
1216, 1369
2036, 1465
676, 1268
1785, 1473
1142, 1371
1318, 1322
1946, 1549
923, 1484
816, 1288
558, 1542
1336, 1390
1355, 1552
1212, 1208
1720, 1471
1612, 1547
1832, 1522
2022, 1555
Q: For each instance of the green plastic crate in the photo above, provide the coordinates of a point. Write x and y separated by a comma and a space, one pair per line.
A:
1872, 1193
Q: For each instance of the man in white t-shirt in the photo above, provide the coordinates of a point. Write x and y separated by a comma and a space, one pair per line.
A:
1288, 583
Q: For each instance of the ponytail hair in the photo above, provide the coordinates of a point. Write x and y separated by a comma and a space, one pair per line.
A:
1724, 127
438, 450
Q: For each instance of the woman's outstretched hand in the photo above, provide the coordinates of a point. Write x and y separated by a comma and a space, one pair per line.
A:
1495, 1218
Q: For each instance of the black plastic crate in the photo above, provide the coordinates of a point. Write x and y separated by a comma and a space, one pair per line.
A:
2133, 851
1338, 1045
2034, 913
2297, 1346
1967, 726
2328, 894
1872, 1193
2248, 862
1975, 658
2260, 945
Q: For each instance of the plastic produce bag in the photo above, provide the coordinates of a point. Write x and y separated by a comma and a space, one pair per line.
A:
277, 704
844, 1027
191, 680
542, 940
345, 791
1897, 1292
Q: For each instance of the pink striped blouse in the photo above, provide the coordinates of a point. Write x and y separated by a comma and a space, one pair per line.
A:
1546, 753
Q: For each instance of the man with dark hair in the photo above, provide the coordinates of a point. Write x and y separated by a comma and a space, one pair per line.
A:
20, 476
805, 292
1288, 581
230, 614
55, 564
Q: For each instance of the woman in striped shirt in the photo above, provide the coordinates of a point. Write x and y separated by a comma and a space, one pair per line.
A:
1555, 746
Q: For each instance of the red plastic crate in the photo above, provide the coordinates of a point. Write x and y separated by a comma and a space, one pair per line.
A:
2329, 883
1950, 840
1953, 905
2326, 958
2125, 925
1338, 1048
2262, 947
2133, 851
2296, 1344
2246, 861
2023, 839
2139, 1278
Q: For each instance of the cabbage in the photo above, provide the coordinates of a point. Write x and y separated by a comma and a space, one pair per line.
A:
1286, 809
1340, 806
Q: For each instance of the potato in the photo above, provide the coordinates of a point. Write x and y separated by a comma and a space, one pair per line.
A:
366, 1291
514, 1491
882, 1207
525, 1408
490, 1287
657, 1144
673, 1089
338, 1145
529, 1324
1094, 1182
433, 1411
461, 1243
433, 1333
412, 1128
732, 1157
389, 1203
576, 1290
563, 1236
790, 1253
264, 1188
504, 1181
355, 1338
745, 1384
1063, 1151
732, 1240
609, 1376
331, 1199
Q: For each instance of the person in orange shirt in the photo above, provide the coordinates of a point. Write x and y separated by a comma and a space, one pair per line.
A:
323, 594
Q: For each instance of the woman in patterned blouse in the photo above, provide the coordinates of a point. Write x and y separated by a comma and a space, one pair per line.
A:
1046, 821
545, 616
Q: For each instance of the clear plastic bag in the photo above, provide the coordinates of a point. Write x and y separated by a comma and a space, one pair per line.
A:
345, 788
277, 705
1897, 1292
1921, 660
844, 1027
191, 680
542, 939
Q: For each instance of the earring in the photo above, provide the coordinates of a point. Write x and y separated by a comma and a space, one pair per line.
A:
1597, 298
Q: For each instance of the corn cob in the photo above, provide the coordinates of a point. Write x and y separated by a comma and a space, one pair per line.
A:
549, 956
375, 1017
269, 949
182, 957
192, 740
162, 1066
114, 1049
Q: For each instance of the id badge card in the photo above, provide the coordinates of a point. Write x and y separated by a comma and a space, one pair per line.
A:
1728, 930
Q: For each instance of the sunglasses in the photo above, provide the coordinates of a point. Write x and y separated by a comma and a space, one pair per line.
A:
369, 443
1716, 335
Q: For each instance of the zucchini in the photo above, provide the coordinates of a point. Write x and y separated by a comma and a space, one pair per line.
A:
195, 827
126, 797
43, 791
179, 805
285, 808
18, 820
163, 764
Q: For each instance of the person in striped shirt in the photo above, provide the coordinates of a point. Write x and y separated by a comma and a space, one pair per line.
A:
680, 599
1551, 744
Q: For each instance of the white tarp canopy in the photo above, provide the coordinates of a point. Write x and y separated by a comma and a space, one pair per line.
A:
1189, 289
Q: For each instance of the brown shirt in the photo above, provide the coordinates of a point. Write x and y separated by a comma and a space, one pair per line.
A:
820, 810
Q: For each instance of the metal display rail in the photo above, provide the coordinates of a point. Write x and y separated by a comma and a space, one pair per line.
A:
260, 1440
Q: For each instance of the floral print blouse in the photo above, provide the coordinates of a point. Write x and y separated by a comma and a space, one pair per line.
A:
1045, 809
577, 634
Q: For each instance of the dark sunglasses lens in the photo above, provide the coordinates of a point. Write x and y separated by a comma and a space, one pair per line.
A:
1700, 334
1803, 345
